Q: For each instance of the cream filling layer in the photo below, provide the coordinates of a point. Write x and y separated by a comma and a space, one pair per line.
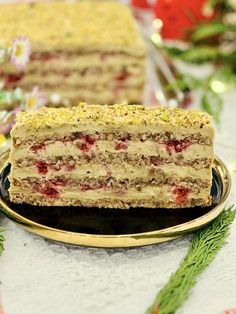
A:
75, 79
98, 60
64, 129
103, 96
137, 49
147, 148
162, 193
119, 172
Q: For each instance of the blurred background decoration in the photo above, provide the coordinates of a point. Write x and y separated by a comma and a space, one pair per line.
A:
18, 54
201, 33
191, 52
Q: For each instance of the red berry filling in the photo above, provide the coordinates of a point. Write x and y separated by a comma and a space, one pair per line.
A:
66, 73
70, 167
86, 143
121, 145
92, 186
177, 146
42, 167
51, 188
12, 79
48, 189
37, 147
122, 76
86, 187
89, 139
59, 182
156, 161
46, 56
105, 55
84, 147
180, 194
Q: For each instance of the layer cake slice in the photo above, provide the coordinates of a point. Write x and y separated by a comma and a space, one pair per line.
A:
89, 50
116, 156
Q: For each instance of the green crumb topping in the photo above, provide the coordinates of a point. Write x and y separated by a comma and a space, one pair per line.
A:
113, 115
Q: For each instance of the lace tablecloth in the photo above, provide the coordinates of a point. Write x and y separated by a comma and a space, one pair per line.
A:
39, 276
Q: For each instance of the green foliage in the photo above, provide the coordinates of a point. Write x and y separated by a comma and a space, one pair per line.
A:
196, 55
205, 45
1, 241
212, 103
200, 54
208, 30
204, 246
9, 97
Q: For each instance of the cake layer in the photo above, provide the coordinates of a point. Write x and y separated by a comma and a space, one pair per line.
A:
64, 130
161, 138
97, 76
128, 95
110, 183
117, 171
133, 199
79, 148
112, 119
99, 190
121, 158
97, 81
75, 61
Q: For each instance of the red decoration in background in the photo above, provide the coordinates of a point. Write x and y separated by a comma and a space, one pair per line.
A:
143, 4
179, 16
1, 307
230, 311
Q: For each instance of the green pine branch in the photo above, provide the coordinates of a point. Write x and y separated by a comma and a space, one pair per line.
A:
200, 54
204, 246
204, 31
1, 241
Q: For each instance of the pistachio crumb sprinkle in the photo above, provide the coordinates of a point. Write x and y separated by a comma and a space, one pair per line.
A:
112, 115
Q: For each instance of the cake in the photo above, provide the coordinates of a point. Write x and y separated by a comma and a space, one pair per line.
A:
116, 156
90, 51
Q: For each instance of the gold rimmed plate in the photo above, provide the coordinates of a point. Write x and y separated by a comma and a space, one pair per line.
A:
114, 228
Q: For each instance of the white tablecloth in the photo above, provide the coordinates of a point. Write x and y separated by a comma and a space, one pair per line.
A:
39, 276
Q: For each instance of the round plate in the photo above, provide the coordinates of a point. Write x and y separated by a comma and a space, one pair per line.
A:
111, 227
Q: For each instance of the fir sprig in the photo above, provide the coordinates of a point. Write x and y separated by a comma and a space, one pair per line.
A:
1, 241
196, 55
205, 31
204, 246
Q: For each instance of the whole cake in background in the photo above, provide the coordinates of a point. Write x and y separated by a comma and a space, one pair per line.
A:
86, 51
116, 156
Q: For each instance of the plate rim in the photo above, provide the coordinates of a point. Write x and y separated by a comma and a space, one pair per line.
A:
121, 240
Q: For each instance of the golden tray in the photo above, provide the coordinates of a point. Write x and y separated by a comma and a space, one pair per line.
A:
114, 228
